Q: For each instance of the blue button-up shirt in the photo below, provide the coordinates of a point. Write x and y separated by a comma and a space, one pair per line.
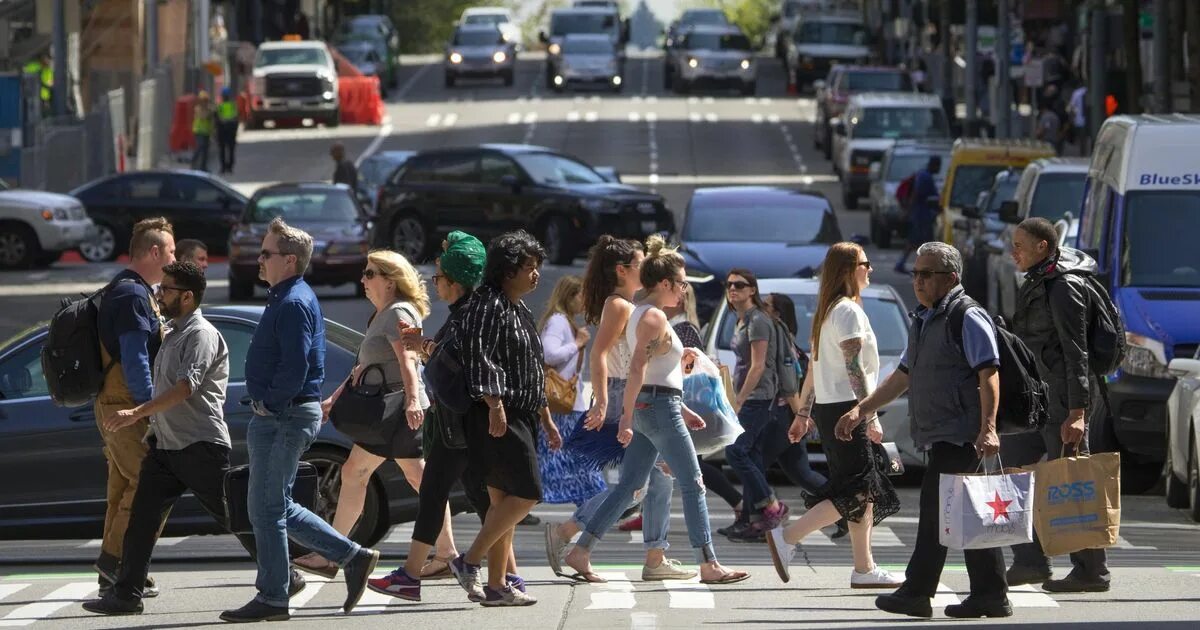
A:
286, 358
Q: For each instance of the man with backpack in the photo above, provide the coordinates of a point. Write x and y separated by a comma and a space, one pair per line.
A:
1055, 308
921, 206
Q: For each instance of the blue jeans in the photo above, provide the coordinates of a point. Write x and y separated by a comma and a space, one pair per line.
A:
745, 455
275, 444
656, 505
657, 428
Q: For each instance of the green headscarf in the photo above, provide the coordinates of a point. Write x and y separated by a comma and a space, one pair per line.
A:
463, 257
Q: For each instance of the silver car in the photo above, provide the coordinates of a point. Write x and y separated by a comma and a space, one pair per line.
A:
587, 60
1183, 440
479, 51
714, 55
36, 227
899, 162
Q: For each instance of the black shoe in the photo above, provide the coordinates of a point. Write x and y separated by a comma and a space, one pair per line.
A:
1075, 584
751, 533
1020, 574
972, 608
903, 605
357, 572
296, 585
843, 528
256, 611
530, 520
112, 605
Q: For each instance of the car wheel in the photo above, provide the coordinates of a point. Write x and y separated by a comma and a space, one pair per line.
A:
749, 89
409, 237
556, 238
1178, 492
102, 247
372, 525
240, 290
333, 119
18, 246
449, 80
849, 199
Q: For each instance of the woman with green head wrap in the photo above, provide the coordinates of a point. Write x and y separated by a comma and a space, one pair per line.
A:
459, 270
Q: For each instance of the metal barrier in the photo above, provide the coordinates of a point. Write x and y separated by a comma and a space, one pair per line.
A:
69, 151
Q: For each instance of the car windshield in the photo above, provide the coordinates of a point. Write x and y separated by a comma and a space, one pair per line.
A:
566, 23
712, 16
1056, 194
486, 18
1005, 190
969, 181
878, 82
717, 41
303, 206
587, 46
290, 56
477, 37
1161, 232
753, 223
900, 122
887, 317
837, 33
902, 166
555, 170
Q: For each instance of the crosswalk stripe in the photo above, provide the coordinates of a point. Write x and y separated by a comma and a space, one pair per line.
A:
433, 120
315, 584
643, 621
400, 534
616, 594
1125, 544
10, 589
373, 603
514, 118
61, 597
689, 594
1026, 596
172, 541
945, 597
817, 539
885, 537
450, 119
635, 538
96, 542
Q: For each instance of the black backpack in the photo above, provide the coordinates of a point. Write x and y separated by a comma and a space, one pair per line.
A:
1023, 401
1105, 331
71, 361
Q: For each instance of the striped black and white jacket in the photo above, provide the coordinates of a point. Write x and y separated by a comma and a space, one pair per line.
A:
502, 352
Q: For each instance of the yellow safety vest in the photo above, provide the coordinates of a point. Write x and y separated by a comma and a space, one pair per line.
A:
46, 74
227, 111
202, 121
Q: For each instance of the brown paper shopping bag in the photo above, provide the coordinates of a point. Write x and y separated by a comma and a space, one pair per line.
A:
727, 381
1078, 503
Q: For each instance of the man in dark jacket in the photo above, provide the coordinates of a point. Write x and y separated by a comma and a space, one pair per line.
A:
1051, 317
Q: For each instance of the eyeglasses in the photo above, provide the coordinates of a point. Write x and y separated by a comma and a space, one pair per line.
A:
370, 274
683, 284
266, 254
925, 274
737, 285
162, 288
437, 276
865, 263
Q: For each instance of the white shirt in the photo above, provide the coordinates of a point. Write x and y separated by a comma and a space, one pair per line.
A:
561, 353
665, 369
846, 320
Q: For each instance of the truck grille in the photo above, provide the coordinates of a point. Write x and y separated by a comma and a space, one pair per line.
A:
294, 86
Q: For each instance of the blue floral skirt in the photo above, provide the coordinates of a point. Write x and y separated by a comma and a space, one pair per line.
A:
565, 477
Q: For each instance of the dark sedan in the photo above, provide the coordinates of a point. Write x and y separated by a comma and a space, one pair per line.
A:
197, 204
774, 232
328, 212
373, 172
53, 460
495, 188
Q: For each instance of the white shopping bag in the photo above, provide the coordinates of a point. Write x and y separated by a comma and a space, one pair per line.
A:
982, 511
704, 393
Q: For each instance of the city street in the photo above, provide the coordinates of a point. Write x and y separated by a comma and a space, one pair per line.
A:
659, 141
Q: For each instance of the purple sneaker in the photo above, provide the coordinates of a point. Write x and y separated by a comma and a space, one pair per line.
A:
467, 575
515, 581
398, 584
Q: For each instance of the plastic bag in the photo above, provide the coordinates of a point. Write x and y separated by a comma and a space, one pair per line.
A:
704, 393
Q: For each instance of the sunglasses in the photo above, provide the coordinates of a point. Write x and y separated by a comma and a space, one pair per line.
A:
925, 274
737, 285
370, 274
865, 263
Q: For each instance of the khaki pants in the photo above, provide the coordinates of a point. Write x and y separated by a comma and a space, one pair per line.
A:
124, 450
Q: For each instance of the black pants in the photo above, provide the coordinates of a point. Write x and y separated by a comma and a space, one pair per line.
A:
715, 480
985, 567
443, 467
792, 458
164, 477
227, 144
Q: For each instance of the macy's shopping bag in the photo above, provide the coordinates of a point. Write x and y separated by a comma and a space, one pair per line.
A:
982, 511
1078, 503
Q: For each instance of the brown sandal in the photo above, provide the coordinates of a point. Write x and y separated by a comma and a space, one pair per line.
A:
732, 577
440, 574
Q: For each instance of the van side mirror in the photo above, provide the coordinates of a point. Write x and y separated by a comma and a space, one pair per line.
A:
1009, 212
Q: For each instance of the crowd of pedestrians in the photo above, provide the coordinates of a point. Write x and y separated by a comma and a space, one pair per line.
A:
512, 423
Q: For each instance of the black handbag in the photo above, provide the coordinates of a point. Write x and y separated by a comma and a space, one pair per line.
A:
359, 412
444, 375
237, 490
887, 457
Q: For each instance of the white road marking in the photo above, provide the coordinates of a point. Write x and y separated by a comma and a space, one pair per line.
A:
695, 117
689, 594
773, 119
60, 598
1125, 544
408, 85
531, 118
10, 589
885, 537
514, 118
643, 621
635, 538
817, 539
591, 116
95, 542
315, 584
1026, 596
433, 120
756, 118
708, 100
572, 116
171, 541
385, 130
651, 99
616, 594
450, 119
711, 117
945, 597
725, 180
651, 117
634, 117
373, 603
692, 100
401, 534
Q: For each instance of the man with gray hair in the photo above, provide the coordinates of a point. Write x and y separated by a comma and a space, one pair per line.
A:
953, 383
285, 367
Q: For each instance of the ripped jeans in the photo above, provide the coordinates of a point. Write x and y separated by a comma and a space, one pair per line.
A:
658, 427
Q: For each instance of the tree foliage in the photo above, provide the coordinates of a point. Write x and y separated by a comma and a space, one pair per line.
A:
426, 25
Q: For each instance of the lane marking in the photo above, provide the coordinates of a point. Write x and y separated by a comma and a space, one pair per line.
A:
59, 598
400, 534
514, 118
1026, 596
634, 117
591, 116
450, 119
10, 589
172, 541
385, 130
945, 597
573, 116
531, 118
635, 538
433, 120
643, 621
694, 117
689, 594
711, 117
315, 584
1125, 544
373, 603
756, 118
728, 180
95, 542
817, 539
885, 537
616, 594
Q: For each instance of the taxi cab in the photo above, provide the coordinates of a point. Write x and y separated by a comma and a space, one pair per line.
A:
974, 163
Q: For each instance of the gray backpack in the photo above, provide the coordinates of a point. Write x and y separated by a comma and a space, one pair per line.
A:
787, 363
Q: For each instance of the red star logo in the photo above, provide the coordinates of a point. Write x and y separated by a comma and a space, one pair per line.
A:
999, 507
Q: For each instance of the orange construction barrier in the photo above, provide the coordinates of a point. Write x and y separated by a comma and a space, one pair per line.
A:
360, 101
181, 138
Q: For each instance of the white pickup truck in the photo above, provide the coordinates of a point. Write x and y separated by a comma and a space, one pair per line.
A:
294, 79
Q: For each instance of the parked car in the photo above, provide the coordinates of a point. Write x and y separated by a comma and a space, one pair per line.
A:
982, 228
872, 123
905, 158
494, 188
198, 205
57, 454
834, 92
774, 232
591, 20
587, 60
373, 172
821, 40
372, 26
294, 80
365, 57
717, 56
689, 18
1050, 188
329, 212
36, 227
889, 319
1183, 436
479, 52
499, 17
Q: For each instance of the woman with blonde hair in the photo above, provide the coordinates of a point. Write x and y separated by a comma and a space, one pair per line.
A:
398, 293
844, 370
566, 479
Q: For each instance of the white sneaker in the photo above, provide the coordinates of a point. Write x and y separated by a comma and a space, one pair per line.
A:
781, 553
877, 577
507, 596
668, 570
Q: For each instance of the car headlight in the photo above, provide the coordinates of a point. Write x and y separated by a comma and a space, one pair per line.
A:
555, 49
1144, 357
599, 205
745, 64
346, 248
693, 62
56, 214
455, 58
499, 57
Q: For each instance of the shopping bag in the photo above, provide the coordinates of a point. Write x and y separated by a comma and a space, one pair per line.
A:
727, 384
705, 394
983, 511
1078, 503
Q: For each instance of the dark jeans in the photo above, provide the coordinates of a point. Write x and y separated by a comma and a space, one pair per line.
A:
985, 567
164, 477
443, 467
227, 144
200, 155
792, 458
715, 480
745, 454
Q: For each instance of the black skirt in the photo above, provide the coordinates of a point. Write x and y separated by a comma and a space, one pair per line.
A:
856, 477
507, 463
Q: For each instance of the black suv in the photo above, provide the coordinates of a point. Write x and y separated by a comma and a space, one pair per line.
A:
495, 188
